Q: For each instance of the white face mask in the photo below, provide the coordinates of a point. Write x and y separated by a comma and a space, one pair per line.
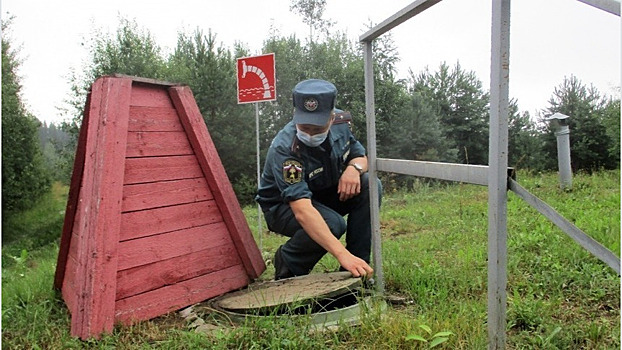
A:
311, 140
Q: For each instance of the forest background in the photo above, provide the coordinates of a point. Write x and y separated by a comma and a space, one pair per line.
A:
433, 115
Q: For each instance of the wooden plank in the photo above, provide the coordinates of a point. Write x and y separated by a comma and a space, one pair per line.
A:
151, 169
160, 301
99, 224
153, 119
73, 250
150, 95
68, 290
204, 148
144, 223
72, 199
144, 278
79, 243
136, 79
161, 194
150, 144
147, 250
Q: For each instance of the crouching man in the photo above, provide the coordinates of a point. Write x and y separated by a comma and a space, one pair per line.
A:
315, 174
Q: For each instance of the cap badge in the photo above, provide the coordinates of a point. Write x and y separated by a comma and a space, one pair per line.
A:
310, 104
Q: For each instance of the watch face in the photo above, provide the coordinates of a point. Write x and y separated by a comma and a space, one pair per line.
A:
357, 167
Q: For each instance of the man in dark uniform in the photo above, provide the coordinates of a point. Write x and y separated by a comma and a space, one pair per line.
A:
316, 173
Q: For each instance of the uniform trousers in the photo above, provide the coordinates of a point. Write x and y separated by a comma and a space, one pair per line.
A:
301, 253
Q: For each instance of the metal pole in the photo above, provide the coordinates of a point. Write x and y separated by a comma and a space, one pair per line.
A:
563, 157
497, 181
373, 175
259, 233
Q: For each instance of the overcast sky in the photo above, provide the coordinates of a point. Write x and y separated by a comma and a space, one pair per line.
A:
549, 39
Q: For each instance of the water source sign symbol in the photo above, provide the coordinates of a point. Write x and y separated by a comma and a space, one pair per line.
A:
256, 70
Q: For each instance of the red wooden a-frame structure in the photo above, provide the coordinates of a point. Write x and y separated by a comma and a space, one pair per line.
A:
152, 223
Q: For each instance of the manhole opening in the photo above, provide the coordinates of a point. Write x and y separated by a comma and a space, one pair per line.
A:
309, 306
335, 294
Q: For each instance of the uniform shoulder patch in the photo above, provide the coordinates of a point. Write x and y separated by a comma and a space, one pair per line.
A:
292, 171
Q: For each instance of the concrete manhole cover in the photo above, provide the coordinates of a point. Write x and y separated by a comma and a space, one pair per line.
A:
291, 292
325, 301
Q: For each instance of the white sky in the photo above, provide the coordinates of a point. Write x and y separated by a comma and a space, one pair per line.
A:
549, 39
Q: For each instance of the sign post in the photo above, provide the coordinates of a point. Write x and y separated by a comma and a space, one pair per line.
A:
256, 82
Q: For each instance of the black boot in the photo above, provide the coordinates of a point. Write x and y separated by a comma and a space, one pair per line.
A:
280, 267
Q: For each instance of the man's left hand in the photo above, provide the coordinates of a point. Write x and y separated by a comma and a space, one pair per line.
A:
349, 184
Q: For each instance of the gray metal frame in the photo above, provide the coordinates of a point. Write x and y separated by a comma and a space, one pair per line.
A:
496, 175
611, 6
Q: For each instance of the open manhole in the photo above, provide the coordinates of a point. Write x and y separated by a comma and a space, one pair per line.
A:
328, 299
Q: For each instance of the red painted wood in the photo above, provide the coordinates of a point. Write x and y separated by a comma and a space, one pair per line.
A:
151, 169
72, 199
217, 179
152, 221
161, 194
173, 297
99, 222
79, 243
150, 144
154, 119
143, 223
73, 249
69, 292
137, 252
144, 278
150, 95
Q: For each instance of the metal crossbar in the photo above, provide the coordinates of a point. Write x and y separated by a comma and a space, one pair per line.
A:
611, 6
585, 241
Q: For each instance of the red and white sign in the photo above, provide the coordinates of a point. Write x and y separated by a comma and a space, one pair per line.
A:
256, 79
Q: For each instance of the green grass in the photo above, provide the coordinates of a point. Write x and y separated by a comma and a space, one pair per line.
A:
434, 254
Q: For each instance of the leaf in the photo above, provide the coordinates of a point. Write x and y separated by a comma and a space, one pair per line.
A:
416, 337
442, 334
553, 334
426, 328
437, 341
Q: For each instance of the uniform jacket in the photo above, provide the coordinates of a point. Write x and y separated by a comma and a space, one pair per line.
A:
293, 171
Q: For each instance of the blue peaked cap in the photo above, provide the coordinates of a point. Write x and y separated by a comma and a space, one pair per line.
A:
314, 100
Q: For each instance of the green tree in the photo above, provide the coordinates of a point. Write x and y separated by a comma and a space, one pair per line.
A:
419, 133
611, 120
54, 142
461, 104
311, 12
524, 143
130, 51
335, 60
210, 71
24, 178
590, 142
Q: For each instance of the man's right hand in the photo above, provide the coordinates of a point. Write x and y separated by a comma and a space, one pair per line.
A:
315, 226
355, 265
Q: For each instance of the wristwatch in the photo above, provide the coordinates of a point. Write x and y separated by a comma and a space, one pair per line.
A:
357, 167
